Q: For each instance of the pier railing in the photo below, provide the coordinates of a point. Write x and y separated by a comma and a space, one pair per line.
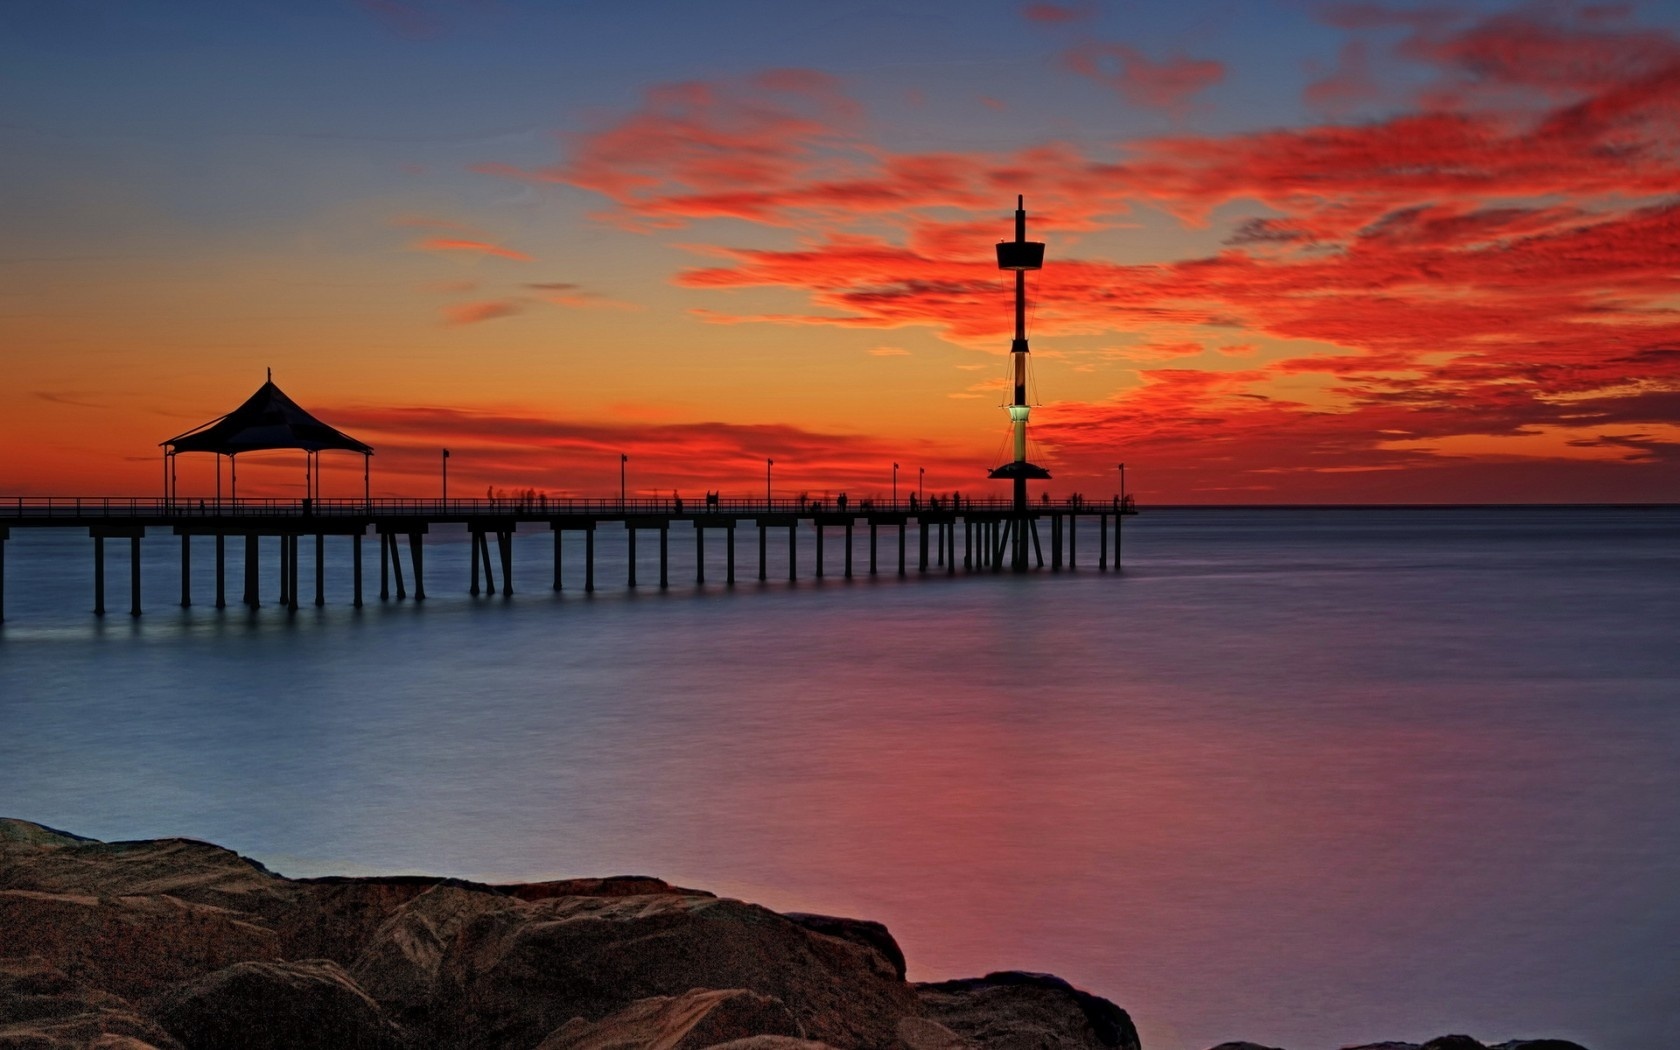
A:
24, 508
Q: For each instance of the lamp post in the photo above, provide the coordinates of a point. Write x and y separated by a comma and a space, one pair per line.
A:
921, 476
895, 486
1122, 486
622, 460
446, 479
768, 463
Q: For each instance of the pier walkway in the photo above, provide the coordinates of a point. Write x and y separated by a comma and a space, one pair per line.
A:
992, 534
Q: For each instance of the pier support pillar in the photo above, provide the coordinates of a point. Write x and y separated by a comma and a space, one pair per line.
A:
589, 560
384, 568
1073, 541
291, 543
664, 556
630, 532
951, 549
699, 554
793, 551
1118, 518
1055, 543
902, 525
394, 558
252, 556
557, 535
761, 546
4, 536
417, 558
1031, 526
134, 575
356, 568
285, 571
320, 570
848, 550
221, 571
99, 576
1102, 536
819, 527
873, 530
504, 545
922, 545
729, 531
186, 571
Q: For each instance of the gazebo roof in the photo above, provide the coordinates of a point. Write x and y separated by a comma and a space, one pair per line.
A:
268, 419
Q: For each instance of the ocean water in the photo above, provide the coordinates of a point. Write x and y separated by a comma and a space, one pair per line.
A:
1303, 777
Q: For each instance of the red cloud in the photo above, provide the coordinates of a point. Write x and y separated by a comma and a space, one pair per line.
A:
1350, 84
472, 313
1503, 270
1058, 14
1161, 85
456, 244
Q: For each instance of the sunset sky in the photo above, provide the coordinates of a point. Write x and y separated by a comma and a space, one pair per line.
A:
1298, 252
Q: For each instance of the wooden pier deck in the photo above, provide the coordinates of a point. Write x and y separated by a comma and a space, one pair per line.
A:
988, 528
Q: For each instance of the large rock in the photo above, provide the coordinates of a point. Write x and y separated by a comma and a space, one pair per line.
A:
512, 977
870, 934
691, 1021
43, 1008
1011, 1010
37, 858
398, 963
308, 1005
131, 946
1464, 1042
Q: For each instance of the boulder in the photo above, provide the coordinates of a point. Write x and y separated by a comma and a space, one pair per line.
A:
42, 1007
308, 1005
131, 946
24, 832
511, 977
610, 886
1464, 1042
867, 932
1012, 1010
398, 963
770, 1042
692, 1021
182, 868
1240, 1045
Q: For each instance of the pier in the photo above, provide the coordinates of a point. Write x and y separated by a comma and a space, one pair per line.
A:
996, 533
990, 534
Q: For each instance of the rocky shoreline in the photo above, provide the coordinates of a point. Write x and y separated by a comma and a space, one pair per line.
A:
175, 944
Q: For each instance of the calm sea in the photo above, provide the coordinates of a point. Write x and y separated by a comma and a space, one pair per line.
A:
1303, 777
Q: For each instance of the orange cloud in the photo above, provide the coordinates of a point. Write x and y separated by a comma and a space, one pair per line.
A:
521, 448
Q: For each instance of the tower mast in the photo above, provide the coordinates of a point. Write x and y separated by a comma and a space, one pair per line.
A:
1020, 255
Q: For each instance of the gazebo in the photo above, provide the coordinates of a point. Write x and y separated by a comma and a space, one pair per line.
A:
267, 420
